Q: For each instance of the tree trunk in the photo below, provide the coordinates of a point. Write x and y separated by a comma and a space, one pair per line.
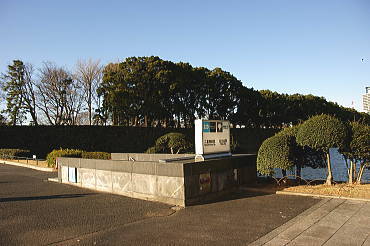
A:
283, 172
329, 178
89, 104
145, 121
359, 177
298, 173
350, 173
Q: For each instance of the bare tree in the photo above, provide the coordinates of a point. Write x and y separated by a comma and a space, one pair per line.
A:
89, 74
29, 94
60, 98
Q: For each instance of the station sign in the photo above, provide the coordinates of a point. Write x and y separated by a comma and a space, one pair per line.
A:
212, 136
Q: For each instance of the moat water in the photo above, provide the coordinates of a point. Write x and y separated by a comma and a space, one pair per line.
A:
338, 166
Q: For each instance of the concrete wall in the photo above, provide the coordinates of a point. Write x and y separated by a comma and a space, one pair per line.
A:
145, 180
180, 182
225, 174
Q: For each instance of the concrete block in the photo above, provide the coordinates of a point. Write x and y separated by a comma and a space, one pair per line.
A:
170, 187
144, 183
169, 169
78, 176
192, 187
122, 166
119, 156
103, 165
104, 180
88, 163
87, 177
121, 182
143, 168
64, 173
62, 161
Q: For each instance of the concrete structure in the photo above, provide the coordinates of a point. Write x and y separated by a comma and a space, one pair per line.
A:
366, 100
172, 179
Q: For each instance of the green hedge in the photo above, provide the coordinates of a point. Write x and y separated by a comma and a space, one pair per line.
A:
51, 157
10, 153
41, 140
96, 155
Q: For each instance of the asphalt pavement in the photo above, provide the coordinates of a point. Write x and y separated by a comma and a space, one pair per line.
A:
34, 211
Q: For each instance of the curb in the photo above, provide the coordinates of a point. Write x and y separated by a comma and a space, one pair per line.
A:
321, 196
43, 169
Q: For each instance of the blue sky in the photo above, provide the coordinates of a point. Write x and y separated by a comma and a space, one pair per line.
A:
286, 46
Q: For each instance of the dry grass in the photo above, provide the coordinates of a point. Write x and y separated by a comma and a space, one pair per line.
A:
29, 162
342, 190
318, 187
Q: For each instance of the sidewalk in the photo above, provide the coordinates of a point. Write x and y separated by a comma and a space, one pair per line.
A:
13, 163
329, 222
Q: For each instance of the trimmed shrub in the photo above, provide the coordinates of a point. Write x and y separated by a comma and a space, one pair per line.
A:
358, 151
10, 153
275, 152
51, 157
289, 131
151, 150
304, 156
96, 155
322, 132
173, 143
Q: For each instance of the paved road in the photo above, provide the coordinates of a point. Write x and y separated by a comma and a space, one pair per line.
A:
36, 212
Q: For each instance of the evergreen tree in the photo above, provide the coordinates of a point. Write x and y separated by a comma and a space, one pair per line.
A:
12, 84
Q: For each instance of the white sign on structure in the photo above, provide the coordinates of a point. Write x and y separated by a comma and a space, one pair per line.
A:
212, 137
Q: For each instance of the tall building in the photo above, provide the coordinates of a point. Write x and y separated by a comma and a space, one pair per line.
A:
366, 100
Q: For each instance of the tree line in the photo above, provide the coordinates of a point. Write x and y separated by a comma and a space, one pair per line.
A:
149, 92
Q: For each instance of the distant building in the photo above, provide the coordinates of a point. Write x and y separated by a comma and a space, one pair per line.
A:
366, 100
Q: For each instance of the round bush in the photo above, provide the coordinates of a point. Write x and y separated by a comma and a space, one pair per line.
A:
323, 132
173, 143
275, 152
359, 146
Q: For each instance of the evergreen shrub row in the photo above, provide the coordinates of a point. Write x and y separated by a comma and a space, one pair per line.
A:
51, 157
41, 140
10, 153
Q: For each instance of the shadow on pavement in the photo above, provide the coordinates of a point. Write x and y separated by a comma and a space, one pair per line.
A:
234, 195
30, 198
